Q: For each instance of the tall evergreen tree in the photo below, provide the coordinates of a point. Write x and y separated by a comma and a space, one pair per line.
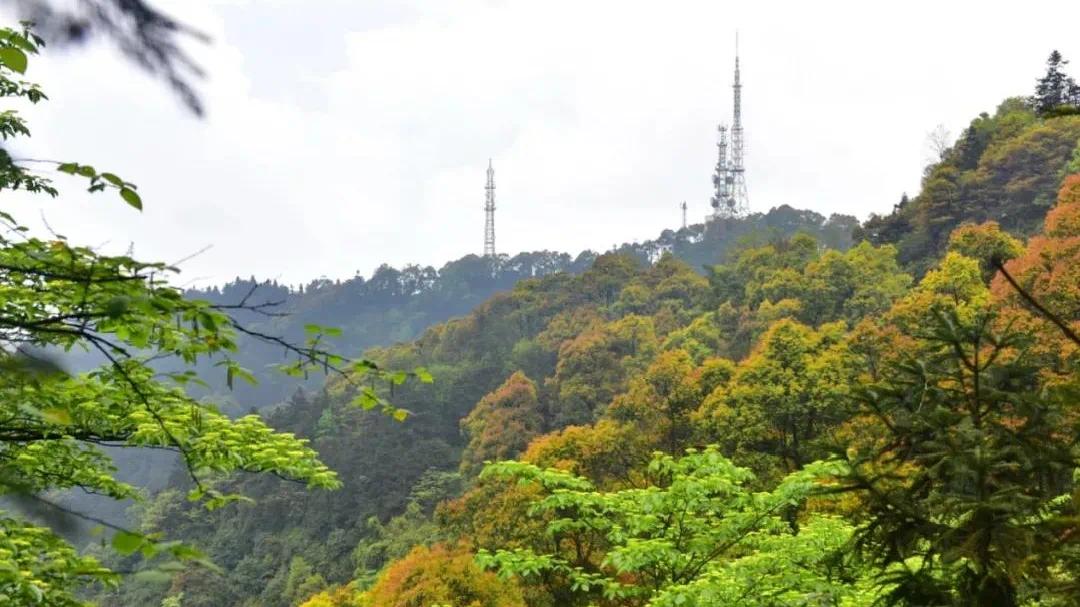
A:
1056, 89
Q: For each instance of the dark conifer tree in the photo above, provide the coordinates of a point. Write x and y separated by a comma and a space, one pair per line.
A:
1056, 88
964, 486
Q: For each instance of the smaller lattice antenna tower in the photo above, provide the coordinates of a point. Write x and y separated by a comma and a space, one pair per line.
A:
722, 202
489, 213
683, 207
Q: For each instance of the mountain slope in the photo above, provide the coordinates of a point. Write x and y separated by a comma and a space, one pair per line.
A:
550, 357
1006, 167
380, 460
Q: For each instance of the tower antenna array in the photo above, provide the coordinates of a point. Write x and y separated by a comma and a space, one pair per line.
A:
489, 213
731, 198
683, 207
722, 179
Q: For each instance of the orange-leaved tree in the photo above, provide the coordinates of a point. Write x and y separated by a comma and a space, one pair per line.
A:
440, 575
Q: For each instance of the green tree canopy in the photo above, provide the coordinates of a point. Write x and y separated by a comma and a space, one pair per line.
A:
696, 535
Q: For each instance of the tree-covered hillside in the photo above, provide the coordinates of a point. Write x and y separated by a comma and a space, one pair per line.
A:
777, 409
470, 356
396, 305
881, 440
784, 358
583, 338
1005, 167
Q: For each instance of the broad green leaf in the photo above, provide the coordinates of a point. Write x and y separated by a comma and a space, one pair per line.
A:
126, 543
14, 59
131, 197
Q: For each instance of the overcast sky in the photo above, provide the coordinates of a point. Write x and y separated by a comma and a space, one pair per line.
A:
341, 135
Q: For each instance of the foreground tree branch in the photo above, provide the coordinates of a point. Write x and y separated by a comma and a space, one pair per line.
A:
56, 296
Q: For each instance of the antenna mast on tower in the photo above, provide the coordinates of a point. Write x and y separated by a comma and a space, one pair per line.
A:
731, 199
683, 207
738, 169
489, 213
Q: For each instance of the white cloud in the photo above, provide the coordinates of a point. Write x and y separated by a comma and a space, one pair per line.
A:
353, 134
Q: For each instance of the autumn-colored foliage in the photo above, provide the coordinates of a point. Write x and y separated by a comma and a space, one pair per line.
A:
502, 423
1005, 167
1063, 219
594, 366
490, 514
772, 361
611, 453
962, 423
661, 400
1048, 270
440, 575
663, 425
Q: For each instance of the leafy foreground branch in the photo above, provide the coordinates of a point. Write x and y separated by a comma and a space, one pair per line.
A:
56, 297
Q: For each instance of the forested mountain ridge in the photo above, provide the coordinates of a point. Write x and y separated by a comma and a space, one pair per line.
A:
591, 370
584, 333
396, 305
826, 376
752, 412
494, 340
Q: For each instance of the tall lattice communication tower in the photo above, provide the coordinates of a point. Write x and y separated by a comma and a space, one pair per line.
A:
489, 213
731, 198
